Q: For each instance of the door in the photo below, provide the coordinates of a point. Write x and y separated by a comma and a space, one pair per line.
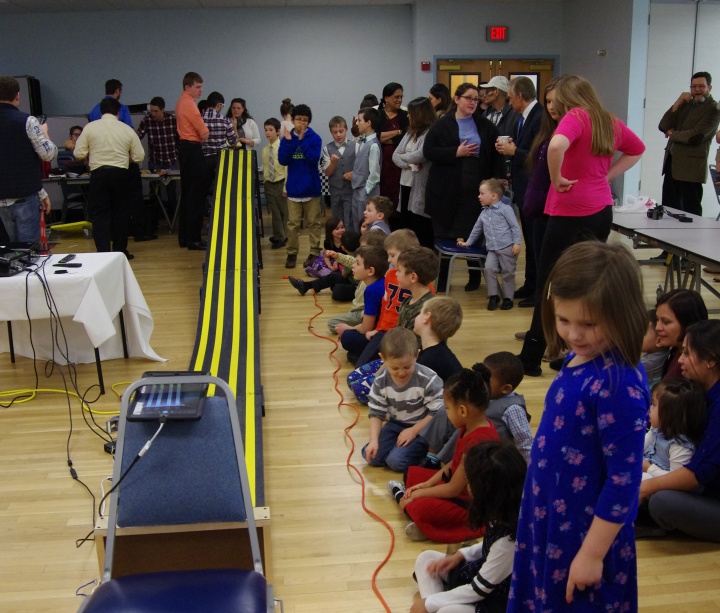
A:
453, 72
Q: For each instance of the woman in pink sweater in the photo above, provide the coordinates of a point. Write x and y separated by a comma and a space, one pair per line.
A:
579, 203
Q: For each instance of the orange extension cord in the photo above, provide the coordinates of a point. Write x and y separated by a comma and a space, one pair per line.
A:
348, 463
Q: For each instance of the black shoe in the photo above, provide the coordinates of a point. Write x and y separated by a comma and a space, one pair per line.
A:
274, 240
524, 292
279, 244
528, 303
291, 261
147, 237
309, 260
531, 370
197, 246
353, 357
299, 285
493, 303
471, 286
507, 304
557, 363
129, 255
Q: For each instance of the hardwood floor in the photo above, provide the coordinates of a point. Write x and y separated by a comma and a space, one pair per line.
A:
325, 548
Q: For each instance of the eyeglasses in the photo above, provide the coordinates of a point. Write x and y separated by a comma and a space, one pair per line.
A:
471, 99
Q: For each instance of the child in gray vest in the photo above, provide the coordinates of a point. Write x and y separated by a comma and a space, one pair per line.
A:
506, 410
338, 158
366, 169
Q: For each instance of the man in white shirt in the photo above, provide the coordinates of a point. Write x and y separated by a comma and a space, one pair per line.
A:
110, 146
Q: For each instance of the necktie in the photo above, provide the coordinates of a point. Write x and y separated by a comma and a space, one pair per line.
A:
271, 164
520, 125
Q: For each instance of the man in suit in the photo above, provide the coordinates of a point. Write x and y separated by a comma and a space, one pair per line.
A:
689, 125
522, 99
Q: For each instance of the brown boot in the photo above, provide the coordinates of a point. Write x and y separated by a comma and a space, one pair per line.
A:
291, 261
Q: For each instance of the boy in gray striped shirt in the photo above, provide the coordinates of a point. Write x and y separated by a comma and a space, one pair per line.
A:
407, 395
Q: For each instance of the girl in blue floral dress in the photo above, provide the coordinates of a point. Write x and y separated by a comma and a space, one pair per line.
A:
575, 548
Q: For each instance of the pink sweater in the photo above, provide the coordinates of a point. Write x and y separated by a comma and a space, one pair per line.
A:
592, 192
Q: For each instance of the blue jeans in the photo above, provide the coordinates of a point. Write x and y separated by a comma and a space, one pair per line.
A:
397, 458
22, 219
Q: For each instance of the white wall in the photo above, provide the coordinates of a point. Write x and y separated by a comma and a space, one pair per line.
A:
325, 57
670, 66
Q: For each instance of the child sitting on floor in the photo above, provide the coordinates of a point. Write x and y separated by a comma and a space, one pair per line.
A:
506, 411
439, 319
436, 501
339, 277
370, 266
354, 316
677, 424
377, 212
654, 357
477, 578
405, 394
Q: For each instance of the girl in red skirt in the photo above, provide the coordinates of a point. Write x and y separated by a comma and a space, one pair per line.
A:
438, 501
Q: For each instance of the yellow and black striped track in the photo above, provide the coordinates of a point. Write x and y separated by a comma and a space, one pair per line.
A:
227, 343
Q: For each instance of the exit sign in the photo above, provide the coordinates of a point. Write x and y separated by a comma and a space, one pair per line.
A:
496, 34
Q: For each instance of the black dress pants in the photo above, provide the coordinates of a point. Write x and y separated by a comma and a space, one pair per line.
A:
192, 196
561, 233
109, 207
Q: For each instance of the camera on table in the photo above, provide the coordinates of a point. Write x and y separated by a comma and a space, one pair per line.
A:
656, 212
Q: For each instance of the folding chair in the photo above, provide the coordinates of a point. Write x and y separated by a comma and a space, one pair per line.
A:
716, 185
450, 250
194, 473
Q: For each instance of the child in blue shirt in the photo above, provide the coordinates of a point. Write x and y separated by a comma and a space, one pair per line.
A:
498, 223
371, 264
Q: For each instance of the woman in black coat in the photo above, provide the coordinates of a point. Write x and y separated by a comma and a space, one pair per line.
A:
461, 147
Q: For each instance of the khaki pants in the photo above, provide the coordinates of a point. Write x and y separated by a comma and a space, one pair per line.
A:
277, 203
313, 215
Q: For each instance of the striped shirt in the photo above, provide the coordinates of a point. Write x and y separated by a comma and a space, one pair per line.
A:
422, 396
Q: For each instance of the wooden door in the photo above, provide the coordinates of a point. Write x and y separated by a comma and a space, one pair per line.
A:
452, 72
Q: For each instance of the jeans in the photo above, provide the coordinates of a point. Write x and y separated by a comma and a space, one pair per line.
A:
397, 458
22, 219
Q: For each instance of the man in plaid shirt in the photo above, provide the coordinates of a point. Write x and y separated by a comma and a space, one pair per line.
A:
221, 136
161, 129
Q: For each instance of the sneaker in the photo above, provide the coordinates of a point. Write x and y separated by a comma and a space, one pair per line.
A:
507, 304
520, 335
493, 303
298, 285
414, 533
309, 260
396, 489
291, 261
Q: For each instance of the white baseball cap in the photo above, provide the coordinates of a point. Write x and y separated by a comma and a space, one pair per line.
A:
499, 82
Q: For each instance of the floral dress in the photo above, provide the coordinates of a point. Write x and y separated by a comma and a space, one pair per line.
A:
586, 460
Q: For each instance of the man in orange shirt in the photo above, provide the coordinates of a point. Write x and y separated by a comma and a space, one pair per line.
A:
192, 131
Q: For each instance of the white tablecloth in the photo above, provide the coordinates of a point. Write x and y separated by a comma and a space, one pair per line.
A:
88, 300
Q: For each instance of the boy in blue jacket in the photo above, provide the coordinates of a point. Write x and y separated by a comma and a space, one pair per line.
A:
300, 150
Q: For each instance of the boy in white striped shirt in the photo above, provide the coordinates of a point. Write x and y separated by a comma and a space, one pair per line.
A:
407, 395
